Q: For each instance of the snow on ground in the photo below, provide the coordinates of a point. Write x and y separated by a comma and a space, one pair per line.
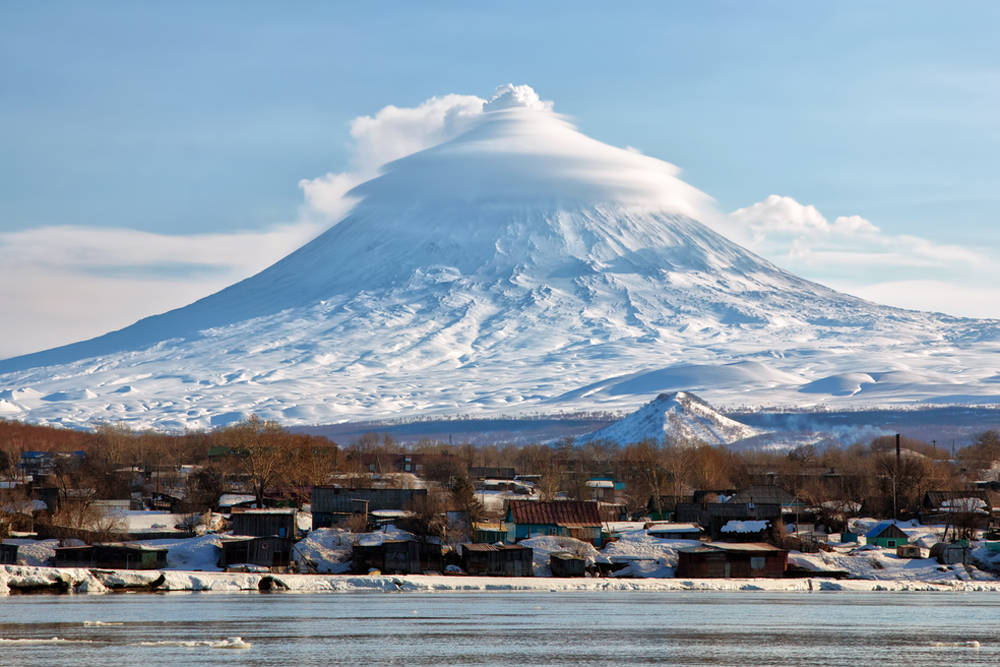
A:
326, 550
651, 562
647, 556
543, 545
83, 581
35, 552
196, 553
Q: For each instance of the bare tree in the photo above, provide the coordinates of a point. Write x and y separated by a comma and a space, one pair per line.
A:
263, 453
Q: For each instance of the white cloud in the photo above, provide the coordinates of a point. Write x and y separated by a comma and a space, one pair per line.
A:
64, 284
785, 215
853, 255
391, 134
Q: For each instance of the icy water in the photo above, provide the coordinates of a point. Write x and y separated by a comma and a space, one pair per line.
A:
719, 629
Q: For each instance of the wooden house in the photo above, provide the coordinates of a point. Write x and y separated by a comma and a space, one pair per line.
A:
565, 564
769, 495
8, 554
497, 560
577, 519
886, 534
264, 522
398, 557
267, 551
333, 505
741, 561
962, 508
713, 517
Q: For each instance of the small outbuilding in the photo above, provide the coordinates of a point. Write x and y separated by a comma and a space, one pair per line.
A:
722, 561
398, 557
113, 556
949, 553
270, 551
498, 560
277, 522
887, 535
908, 551
674, 531
565, 564
8, 554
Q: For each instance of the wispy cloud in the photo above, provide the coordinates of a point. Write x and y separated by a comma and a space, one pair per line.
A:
854, 255
64, 284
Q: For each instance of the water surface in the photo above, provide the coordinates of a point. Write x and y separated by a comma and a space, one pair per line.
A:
742, 629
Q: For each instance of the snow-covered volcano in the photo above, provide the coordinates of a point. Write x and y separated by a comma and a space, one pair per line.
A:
678, 417
520, 266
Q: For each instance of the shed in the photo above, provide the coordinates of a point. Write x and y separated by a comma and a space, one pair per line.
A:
908, 551
498, 560
565, 564
569, 518
398, 557
264, 522
129, 557
82, 556
8, 554
267, 551
887, 535
949, 553
488, 531
113, 556
719, 560
674, 531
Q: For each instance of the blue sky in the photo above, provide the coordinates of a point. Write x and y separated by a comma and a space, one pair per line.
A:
180, 119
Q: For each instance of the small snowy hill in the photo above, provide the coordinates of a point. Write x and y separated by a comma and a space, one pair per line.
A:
519, 266
678, 417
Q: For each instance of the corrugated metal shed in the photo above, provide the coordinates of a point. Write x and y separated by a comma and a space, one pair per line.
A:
497, 560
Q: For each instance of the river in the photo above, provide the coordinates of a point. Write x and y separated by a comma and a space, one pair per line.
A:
595, 628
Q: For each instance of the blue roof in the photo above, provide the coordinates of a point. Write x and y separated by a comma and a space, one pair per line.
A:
879, 527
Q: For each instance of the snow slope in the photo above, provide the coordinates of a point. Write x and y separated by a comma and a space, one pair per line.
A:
520, 266
677, 417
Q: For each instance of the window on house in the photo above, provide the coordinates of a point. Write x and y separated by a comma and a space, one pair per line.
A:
371, 467
407, 467
890, 544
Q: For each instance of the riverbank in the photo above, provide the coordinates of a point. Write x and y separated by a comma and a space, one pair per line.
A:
27, 580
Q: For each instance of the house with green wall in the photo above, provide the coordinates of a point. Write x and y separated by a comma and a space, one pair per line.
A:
887, 535
570, 518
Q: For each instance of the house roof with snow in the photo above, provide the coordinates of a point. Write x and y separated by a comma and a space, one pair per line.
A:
957, 500
568, 513
886, 529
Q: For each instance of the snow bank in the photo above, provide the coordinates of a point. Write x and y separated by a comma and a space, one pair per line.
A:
543, 545
325, 551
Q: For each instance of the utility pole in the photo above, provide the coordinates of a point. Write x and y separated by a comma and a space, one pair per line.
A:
895, 474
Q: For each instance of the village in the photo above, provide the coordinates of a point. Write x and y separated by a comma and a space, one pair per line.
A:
79, 519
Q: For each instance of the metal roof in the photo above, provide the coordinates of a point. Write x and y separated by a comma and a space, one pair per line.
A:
569, 513
491, 547
764, 494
